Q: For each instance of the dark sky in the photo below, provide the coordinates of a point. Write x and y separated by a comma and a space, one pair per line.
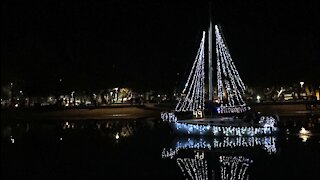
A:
144, 44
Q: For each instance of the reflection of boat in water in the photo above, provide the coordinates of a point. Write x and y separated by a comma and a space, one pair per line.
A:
234, 167
216, 158
230, 116
231, 167
267, 143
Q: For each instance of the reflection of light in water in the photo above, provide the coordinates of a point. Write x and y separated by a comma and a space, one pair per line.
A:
169, 153
268, 143
287, 131
195, 168
267, 128
111, 128
12, 139
66, 125
234, 167
304, 134
304, 137
98, 125
119, 115
126, 131
231, 167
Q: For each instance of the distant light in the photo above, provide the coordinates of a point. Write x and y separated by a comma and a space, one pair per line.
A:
16, 105
304, 131
61, 139
301, 83
67, 125
258, 97
304, 134
287, 131
21, 92
117, 136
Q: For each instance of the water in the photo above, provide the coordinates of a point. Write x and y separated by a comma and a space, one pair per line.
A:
148, 149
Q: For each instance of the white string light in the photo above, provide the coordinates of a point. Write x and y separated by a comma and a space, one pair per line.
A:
201, 129
193, 92
232, 81
228, 80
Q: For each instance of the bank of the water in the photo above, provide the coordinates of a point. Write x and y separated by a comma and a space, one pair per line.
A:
125, 111
288, 108
101, 113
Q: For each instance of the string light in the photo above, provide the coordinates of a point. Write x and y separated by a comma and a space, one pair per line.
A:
230, 91
229, 80
193, 92
168, 116
216, 130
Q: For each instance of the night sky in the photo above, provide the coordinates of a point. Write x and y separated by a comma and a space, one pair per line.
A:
144, 44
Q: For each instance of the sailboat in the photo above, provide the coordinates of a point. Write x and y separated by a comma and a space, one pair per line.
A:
228, 115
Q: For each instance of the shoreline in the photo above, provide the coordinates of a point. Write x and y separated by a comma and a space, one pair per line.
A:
128, 112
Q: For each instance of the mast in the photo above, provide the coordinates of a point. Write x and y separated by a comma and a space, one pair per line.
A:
210, 69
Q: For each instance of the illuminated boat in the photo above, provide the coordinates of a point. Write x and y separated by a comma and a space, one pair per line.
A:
228, 115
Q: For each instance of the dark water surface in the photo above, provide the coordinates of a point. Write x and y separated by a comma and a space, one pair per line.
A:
148, 149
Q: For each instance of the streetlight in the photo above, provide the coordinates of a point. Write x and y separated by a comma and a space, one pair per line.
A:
301, 84
258, 98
